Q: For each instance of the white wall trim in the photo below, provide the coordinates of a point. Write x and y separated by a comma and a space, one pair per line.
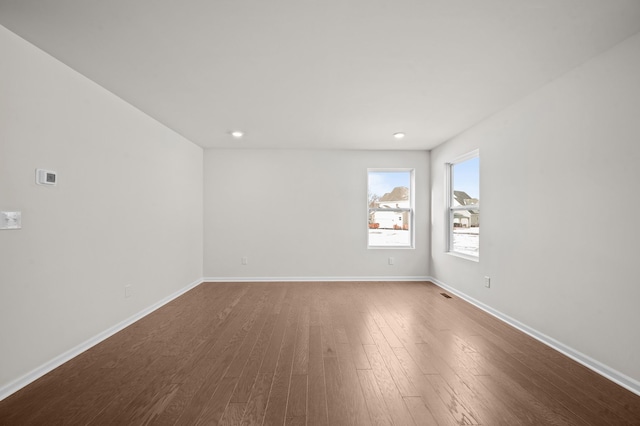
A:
40, 371
598, 367
311, 279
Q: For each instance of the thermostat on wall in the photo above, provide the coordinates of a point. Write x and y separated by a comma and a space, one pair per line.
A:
46, 177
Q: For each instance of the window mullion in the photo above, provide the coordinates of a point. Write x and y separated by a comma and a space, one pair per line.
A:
399, 209
469, 207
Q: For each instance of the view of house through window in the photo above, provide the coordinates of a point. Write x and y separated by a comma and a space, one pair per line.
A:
464, 206
390, 207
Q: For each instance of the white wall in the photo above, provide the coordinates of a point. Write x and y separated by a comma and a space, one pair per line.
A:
560, 175
303, 214
127, 209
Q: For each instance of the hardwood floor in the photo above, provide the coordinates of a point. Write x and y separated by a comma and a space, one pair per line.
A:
361, 353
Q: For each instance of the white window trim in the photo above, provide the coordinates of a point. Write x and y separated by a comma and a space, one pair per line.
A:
450, 208
411, 210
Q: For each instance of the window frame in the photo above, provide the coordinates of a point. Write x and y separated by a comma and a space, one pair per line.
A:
451, 208
410, 210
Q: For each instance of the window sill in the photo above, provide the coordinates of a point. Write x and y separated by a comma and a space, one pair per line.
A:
464, 256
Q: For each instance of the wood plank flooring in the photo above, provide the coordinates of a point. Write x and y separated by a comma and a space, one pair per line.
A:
322, 353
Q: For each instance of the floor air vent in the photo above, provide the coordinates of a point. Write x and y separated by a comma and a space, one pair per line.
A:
445, 295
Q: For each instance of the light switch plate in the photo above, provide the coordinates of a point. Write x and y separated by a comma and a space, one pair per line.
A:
10, 220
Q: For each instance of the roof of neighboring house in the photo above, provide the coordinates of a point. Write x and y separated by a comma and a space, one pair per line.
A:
399, 193
464, 199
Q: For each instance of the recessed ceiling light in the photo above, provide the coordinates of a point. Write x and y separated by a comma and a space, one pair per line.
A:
237, 134
399, 135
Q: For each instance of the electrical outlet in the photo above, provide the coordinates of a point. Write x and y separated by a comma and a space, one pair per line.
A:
487, 282
244, 261
10, 220
127, 291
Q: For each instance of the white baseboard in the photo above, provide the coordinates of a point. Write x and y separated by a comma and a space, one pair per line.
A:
40, 371
598, 367
310, 279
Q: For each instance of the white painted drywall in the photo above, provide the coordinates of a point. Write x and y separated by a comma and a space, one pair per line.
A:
559, 193
127, 209
304, 214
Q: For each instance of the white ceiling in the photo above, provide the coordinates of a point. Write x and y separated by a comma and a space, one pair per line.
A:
332, 74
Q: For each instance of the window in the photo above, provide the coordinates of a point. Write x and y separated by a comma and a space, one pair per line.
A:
390, 208
464, 206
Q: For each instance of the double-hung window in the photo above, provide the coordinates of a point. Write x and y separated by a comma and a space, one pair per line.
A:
390, 208
463, 178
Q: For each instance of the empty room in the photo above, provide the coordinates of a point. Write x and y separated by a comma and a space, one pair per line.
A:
247, 213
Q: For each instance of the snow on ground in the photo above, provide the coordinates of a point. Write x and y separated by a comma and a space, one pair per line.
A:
466, 240
389, 237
